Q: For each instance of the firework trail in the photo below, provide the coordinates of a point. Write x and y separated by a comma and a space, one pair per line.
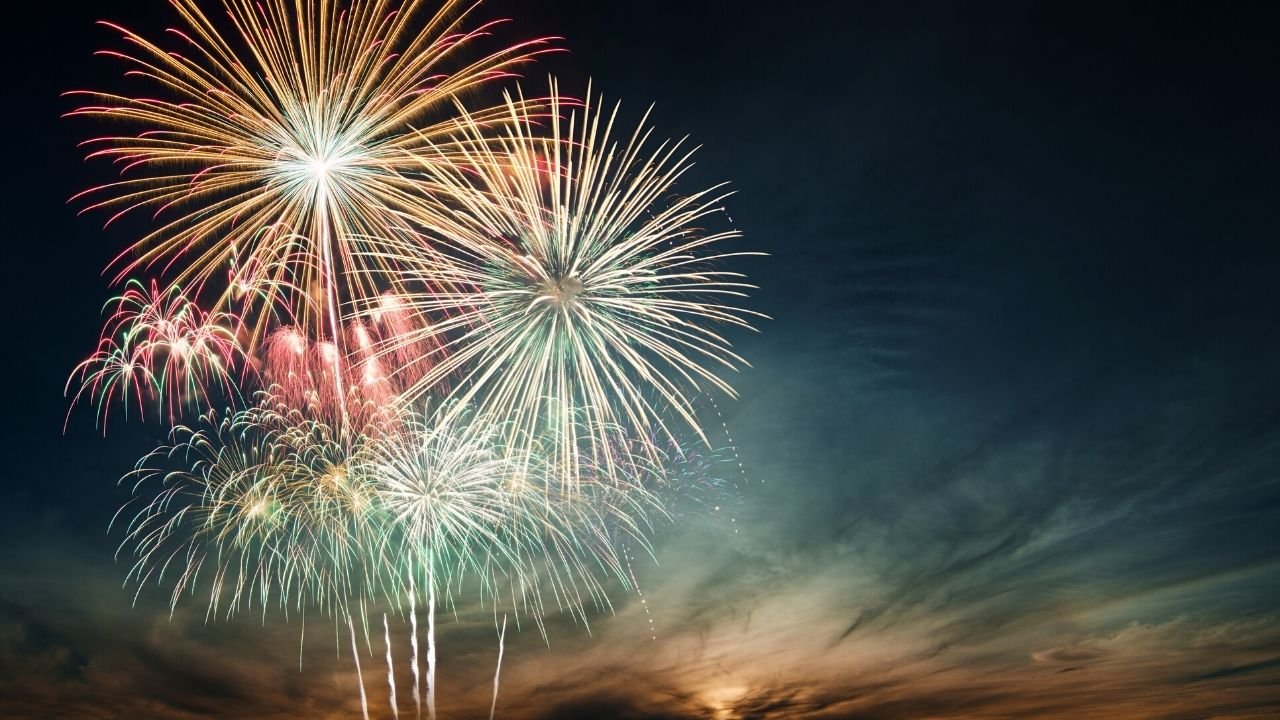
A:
391, 673
581, 294
502, 635
413, 639
355, 654
431, 641
644, 602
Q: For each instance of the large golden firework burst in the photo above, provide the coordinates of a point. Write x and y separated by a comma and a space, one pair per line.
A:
286, 150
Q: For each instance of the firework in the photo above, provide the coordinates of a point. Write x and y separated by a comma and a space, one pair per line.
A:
444, 495
475, 335
158, 346
267, 504
285, 149
581, 294
308, 375
459, 500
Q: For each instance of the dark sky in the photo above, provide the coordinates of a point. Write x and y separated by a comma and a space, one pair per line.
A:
1012, 435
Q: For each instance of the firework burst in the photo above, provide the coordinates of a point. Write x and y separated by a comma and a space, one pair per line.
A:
267, 504
459, 499
284, 141
159, 347
582, 294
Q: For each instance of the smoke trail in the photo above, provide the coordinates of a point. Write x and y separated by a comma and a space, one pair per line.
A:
413, 643
501, 635
355, 653
391, 672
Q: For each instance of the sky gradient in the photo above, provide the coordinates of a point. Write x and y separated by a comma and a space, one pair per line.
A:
1011, 439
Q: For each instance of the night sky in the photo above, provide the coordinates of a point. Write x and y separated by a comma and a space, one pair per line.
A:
1011, 437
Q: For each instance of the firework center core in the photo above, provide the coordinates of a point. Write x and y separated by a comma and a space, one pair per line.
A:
560, 291
320, 168
316, 164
